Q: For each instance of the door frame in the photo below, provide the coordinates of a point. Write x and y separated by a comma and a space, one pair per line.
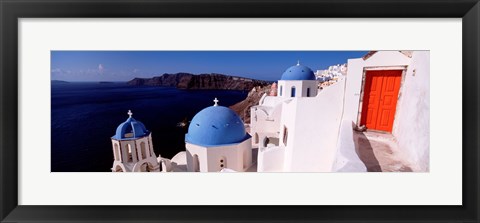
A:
364, 75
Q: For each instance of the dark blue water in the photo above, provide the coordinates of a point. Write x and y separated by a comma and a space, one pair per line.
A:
86, 115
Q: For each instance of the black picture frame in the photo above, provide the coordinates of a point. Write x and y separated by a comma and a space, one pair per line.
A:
11, 11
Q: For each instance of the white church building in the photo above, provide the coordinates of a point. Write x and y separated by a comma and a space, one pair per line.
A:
217, 140
286, 127
133, 148
301, 129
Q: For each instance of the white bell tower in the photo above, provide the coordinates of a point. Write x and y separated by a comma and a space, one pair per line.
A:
133, 148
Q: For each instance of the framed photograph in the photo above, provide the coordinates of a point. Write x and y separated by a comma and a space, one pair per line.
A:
203, 111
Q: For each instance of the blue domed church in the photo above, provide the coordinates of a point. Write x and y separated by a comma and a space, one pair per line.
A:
217, 140
298, 81
279, 124
133, 148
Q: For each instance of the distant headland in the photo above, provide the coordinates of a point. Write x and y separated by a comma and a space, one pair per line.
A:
200, 82
59, 82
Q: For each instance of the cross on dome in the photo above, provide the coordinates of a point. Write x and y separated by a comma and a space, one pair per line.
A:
298, 62
216, 102
130, 113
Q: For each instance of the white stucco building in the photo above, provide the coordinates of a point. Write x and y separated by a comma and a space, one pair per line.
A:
399, 105
133, 148
332, 72
290, 131
217, 140
385, 91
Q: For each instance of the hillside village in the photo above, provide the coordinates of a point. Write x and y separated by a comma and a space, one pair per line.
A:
370, 114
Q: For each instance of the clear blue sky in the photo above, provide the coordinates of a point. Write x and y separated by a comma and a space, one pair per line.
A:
125, 65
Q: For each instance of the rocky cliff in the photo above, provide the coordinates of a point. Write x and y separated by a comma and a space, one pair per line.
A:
201, 81
243, 108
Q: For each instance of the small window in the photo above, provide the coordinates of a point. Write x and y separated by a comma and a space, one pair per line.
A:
130, 153
266, 141
293, 92
281, 89
308, 92
143, 150
117, 153
223, 162
245, 159
285, 135
128, 135
196, 163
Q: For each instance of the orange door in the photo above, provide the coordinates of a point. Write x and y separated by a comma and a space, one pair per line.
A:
380, 99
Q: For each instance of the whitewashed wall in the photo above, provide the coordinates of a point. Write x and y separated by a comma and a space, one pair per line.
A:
209, 157
289, 112
412, 119
353, 89
265, 118
312, 147
347, 159
270, 159
201, 152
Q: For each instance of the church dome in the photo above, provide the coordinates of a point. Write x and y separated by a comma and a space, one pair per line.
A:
130, 129
216, 125
298, 72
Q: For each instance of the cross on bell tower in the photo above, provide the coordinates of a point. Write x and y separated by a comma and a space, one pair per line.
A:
216, 102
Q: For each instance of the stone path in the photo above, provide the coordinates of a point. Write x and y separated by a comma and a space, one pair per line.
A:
379, 152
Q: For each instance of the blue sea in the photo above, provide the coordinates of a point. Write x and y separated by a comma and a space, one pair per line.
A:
86, 115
